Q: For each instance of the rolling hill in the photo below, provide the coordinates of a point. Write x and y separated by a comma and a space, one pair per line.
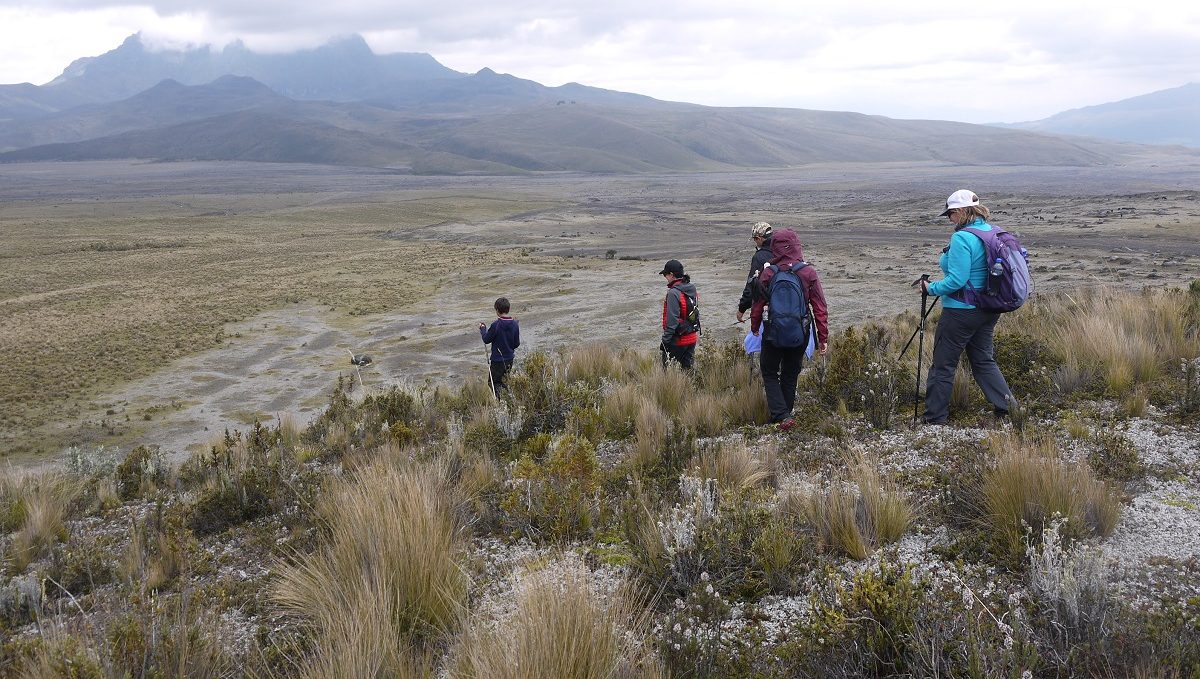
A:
1165, 117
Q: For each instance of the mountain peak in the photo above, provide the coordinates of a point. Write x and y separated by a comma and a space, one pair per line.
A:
132, 44
349, 43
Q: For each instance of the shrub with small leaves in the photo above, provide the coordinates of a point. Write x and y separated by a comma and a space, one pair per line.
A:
141, 472
690, 640
1114, 457
1028, 365
556, 499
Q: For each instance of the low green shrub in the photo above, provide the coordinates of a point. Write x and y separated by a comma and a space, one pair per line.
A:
1112, 456
1028, 365
140, 473
230, 501
556, 499
864, 629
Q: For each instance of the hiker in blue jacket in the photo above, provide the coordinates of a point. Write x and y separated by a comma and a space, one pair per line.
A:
505, 336
962, 326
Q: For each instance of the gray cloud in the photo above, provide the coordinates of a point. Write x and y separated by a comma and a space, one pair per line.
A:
1028, 58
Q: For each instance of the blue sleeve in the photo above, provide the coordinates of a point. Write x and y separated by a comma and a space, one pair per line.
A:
490, 335
957, 266
516, 334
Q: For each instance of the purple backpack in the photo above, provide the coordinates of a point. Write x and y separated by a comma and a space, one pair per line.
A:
1008, 282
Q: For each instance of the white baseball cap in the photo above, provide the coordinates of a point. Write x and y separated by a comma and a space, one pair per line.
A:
960, 198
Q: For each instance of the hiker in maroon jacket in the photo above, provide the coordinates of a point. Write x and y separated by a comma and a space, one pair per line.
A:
781, 366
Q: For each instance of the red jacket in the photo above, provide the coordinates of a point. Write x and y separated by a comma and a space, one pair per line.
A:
675, 311
786, 251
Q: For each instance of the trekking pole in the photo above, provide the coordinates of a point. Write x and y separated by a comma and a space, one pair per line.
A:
921, 344
924, 314
487, 355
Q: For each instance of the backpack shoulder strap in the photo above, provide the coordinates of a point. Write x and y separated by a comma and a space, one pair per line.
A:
985, 235
798, 266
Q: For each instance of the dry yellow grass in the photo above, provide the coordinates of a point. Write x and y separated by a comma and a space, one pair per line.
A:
1124, 338
596, 361
888, 512
135, 286
650, 433
34, 506
855, 515
736, 467
669, 388
1029, 486
562, 628
703, 414
621, 408
389, 579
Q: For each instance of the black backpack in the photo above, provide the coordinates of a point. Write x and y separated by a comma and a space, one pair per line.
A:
689, 315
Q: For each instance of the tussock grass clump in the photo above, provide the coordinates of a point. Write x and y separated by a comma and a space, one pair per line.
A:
35, 508
562, 628
736, 467
598, 361
889, 513
748, 403
621, 408
670, 389
704, 414
389, 577
1029, 486
650, 434
1111, 340
853, 516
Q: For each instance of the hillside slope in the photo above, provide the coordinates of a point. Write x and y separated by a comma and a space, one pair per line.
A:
1165, 117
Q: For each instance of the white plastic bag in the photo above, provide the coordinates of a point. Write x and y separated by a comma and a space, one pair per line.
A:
752, 343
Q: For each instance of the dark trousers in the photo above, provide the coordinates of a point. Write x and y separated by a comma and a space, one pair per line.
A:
780, 367
959, 329
685, 356
500, 371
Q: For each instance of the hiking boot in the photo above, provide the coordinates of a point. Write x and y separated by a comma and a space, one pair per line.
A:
787, 424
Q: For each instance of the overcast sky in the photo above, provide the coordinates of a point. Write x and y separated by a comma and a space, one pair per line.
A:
977, 62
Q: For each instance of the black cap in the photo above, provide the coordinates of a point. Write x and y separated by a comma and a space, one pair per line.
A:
672, 266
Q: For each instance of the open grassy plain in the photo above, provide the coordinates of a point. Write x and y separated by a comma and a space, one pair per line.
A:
159, 302
605, 517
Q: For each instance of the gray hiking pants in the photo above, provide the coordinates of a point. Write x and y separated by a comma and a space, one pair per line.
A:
959, 329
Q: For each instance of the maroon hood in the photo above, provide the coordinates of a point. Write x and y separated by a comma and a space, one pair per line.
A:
785, 248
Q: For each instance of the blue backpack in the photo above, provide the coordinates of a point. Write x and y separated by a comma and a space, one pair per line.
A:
788, 320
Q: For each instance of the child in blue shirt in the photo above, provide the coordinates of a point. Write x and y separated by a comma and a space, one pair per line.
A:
505, 336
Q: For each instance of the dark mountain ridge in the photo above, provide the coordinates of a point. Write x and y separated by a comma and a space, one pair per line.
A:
342, 104
342, 70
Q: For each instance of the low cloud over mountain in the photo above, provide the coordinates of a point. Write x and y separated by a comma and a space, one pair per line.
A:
342, 104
